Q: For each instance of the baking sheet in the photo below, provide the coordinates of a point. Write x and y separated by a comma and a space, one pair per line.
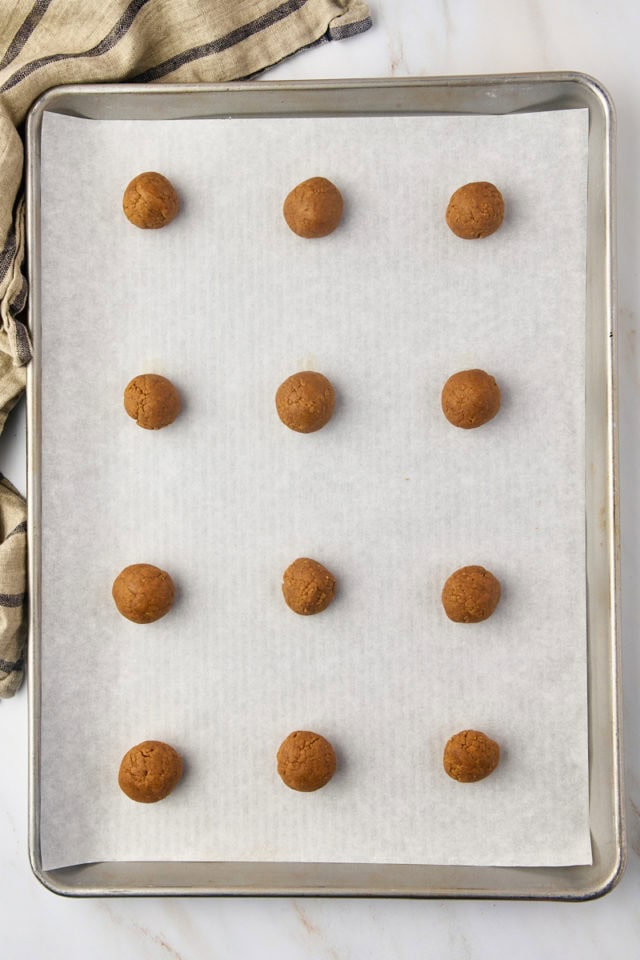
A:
227, 303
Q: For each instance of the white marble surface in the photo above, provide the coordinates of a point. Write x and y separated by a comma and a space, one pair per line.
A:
409, 38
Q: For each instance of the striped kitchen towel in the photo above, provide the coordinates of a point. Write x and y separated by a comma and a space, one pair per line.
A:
44, 43
13, 534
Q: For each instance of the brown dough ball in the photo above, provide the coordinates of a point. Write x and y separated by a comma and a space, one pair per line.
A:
470, 398
475, 210
307, 586
305, 401
143, 593
313, 208
306, 761
150, 771
470, 755
152, 401
470, 595
150, 201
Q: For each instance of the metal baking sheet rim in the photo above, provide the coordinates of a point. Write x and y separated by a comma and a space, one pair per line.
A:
427, 96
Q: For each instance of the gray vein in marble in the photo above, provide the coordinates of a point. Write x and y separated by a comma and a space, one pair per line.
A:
629, 342
396, 52
539, 32
633, 813
313, 930
458, 943
156, 938
138, 929
304, 920
448, 25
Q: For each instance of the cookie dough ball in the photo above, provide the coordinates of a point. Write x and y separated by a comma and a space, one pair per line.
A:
306, 761
470, 755
313, 208
470, 398
470, 595
305, 401
152, 401
150, 771
143, 593
150, 201
475, 210
307, 586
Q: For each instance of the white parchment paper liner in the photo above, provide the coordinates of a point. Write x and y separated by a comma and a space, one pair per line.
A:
227, 302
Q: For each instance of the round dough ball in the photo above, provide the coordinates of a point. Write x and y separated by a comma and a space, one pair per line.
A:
307, 586
470, 756
149, 771
313, 208
143, 593
306, 761
470, 398
150, 201
470, 595
305, 401
475, 210
152, 401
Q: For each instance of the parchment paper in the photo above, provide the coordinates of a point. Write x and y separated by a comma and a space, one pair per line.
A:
227, 302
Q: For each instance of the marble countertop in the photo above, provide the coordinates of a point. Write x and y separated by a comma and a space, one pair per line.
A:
434, 37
